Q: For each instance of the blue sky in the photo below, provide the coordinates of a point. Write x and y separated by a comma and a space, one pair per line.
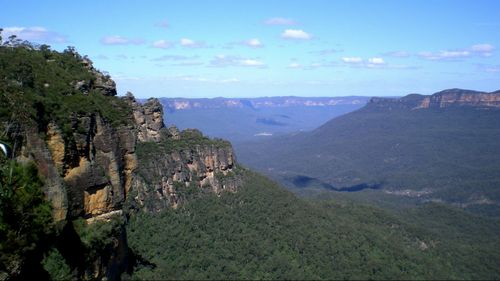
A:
273, 48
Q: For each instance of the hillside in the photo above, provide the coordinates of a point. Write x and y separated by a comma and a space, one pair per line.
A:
83, 160
434, 148
248, 119
98, 188
265, 232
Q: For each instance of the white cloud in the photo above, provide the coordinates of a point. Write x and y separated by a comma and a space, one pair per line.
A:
480, 48
280, 21
175, 58
189, 43
295, 65
398, 54
444, 55
225, 61
373, 62
36, 34
254, 43
120, 40
377, 61
250, 62
162, 44
351, 60
296, 34
485, 50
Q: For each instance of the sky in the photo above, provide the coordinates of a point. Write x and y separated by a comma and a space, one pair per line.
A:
273, 48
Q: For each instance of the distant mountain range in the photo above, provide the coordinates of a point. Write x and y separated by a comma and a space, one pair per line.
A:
247, 119
442, 147
173, 104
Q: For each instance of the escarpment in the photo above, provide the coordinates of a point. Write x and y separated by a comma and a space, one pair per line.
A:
100, 156
443, 99
89, 160
170, 162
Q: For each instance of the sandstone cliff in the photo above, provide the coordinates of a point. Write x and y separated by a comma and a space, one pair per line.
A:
443, 99
87, 173
171, 161
63, 115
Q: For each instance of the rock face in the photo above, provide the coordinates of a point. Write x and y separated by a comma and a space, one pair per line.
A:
443, 99
90, 172
148, 119
102, 82
88, 175
209, 167
172, 161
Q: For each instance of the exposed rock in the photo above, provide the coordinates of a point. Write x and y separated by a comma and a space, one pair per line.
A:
148, 119
457, 97
174, 133
55, 143
35, 149
446, 98
102, 82
209, 166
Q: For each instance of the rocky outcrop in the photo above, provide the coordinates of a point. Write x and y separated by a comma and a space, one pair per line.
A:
443, 99
91, 171
209, 167
457, 97
101, 82
148, 118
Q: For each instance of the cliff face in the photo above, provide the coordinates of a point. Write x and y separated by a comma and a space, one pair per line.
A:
170, 173
65, 117
148, 119
87, 174
90, 173
443, 99
171, 161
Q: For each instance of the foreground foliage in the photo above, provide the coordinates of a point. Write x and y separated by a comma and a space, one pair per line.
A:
25, 216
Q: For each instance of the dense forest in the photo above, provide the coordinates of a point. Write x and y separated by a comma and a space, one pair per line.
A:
265, 232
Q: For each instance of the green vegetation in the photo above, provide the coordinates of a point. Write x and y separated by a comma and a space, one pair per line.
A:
40, 85
258, 232
97, 237
55, 264
25, 216
188, 140
450, 152
264, 232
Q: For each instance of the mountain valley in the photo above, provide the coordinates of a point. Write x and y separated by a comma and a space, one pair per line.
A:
431, 148
98, 187
243, 120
